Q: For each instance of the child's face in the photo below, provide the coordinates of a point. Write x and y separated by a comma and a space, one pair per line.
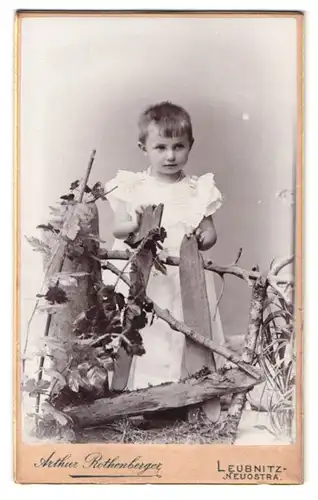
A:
167, 155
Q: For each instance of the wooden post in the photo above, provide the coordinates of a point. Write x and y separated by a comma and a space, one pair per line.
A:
195, 337
236, 407
196, 314
143, 261
82, 296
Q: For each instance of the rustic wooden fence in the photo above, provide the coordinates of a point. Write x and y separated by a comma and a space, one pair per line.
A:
198, 388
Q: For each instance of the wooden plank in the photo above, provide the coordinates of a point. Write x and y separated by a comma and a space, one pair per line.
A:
151, 218
160, 398
196, 313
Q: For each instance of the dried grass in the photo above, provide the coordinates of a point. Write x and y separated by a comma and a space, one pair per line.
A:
141, 431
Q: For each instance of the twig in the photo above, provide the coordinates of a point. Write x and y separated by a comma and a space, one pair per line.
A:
111, 190
48, 267
87, 174
131, 258
165, 315
220, 298
46, 333
238, 256
209, 266
199, 339
278, 264
93, 343
235, 261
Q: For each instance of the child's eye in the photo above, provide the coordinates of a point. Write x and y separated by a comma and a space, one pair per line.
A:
179, 146
160, 147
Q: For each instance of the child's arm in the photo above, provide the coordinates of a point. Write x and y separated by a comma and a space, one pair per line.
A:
206, 233
124, 224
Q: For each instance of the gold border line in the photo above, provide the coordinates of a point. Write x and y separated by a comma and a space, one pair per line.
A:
158, 13
299, 244
17, 256
296, 476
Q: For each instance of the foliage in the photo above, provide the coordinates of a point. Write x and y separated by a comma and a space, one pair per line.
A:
113, 322
54, 295
110, 323
276, 355
39, 245
94, 193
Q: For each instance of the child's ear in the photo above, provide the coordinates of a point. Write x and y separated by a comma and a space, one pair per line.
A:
191, 144
142, 147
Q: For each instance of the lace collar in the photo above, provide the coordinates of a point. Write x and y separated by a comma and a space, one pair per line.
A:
190, 180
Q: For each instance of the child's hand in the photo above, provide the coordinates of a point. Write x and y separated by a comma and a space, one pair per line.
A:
190, 231
194, 231
199, 234
139, 210
205, 233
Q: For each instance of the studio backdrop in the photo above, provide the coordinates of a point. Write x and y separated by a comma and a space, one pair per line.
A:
84, 84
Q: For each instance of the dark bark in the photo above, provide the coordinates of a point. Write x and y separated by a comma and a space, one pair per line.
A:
236, 407
160, 398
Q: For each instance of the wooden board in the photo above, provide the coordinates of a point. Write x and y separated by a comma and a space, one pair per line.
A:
196, 313
151, 218
160, 398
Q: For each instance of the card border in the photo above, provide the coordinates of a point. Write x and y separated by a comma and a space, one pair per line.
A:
294, 473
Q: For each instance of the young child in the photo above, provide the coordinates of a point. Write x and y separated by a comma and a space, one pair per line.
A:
165, 138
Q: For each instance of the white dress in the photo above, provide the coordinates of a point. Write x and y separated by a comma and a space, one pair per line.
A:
185, 204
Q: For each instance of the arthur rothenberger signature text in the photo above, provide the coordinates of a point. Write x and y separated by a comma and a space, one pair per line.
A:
96, 460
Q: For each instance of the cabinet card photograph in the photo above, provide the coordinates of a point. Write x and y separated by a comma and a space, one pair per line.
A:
158, 237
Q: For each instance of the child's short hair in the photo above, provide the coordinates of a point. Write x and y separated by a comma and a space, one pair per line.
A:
173, 121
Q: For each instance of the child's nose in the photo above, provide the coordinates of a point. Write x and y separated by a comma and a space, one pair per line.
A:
170, 154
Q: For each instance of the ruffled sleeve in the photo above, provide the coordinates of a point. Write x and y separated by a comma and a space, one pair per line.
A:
209, 195
123, 189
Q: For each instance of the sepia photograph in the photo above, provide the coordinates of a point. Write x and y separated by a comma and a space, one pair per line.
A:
158, 254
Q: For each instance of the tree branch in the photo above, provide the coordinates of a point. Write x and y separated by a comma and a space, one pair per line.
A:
165, 315
219, 298
278, 264
209, 266
233, 417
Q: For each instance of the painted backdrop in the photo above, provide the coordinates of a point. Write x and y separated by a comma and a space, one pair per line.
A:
84, 83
